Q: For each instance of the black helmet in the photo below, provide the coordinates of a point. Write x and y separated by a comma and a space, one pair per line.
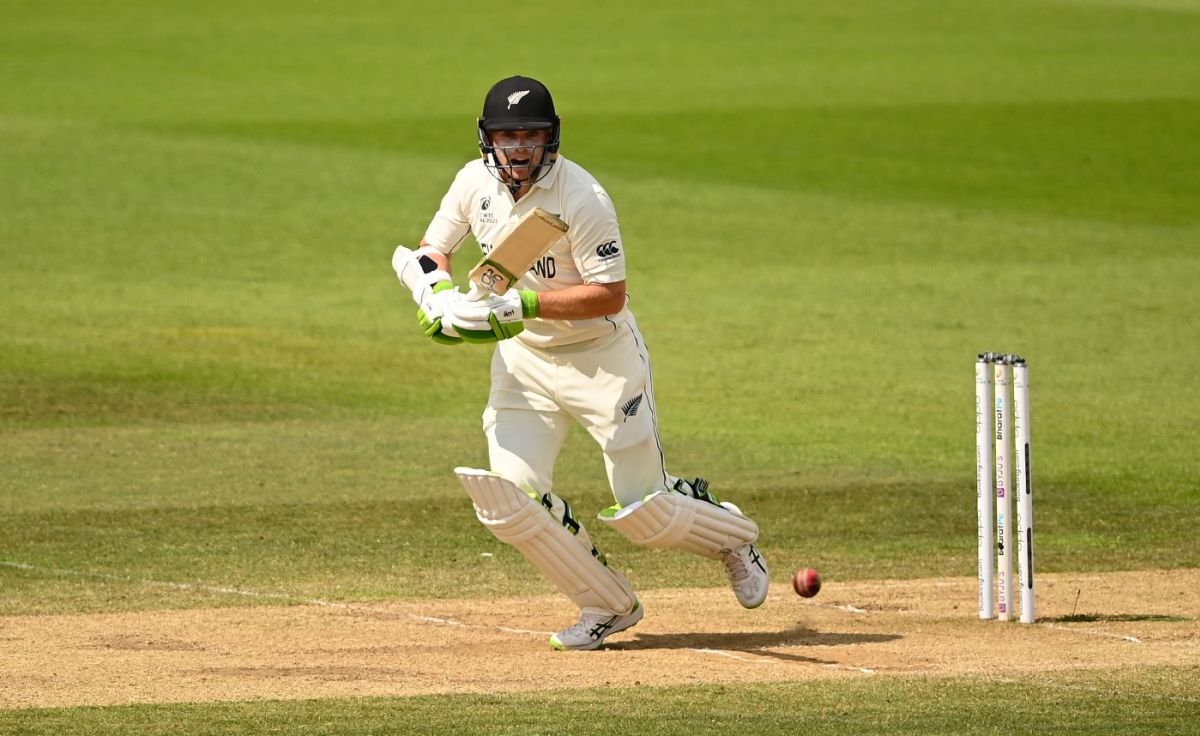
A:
518, 103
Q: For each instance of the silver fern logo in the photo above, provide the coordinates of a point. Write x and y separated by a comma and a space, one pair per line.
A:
516, 97
630, 408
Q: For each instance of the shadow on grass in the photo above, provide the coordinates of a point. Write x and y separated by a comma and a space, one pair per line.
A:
753, 642
1077, 618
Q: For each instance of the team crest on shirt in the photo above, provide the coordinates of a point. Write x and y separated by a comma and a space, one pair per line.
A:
486, 216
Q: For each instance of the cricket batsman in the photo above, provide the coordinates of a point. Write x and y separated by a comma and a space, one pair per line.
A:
567, 349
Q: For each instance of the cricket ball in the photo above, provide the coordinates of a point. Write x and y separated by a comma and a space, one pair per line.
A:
807, 582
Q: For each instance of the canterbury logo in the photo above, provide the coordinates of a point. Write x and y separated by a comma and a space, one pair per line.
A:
608, 250
515, 97
630, 408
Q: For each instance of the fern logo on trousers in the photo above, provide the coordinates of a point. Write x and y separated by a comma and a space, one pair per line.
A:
630, 408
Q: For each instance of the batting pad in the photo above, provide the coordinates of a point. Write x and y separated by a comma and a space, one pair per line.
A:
546, 532
673, 519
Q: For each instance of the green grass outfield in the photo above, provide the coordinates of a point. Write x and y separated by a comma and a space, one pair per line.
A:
209, 374
964, 707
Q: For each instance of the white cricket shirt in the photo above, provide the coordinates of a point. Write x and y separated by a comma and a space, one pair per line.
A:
591, 251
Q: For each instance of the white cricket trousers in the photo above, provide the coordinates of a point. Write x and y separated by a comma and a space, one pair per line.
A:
605, 384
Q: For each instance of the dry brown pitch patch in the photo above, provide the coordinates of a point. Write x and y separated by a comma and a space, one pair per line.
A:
857, 629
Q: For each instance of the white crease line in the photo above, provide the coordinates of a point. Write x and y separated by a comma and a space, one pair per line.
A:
225, 590
1093, 632
902, 584
157, 583
866, 585
510, 630
765, 659
322, 603
436, 620
848, 608
864, 670
731, 655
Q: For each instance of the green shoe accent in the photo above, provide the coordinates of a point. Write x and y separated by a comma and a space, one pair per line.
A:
610, 512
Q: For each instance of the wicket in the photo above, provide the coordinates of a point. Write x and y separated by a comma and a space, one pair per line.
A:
1002, 416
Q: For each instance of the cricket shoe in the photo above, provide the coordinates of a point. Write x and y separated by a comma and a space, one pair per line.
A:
594, 627
747, 574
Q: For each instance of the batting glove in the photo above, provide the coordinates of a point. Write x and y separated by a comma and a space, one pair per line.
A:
431, 289
431, 315
494, 318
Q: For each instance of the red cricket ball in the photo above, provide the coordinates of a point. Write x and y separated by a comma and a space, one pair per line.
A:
807, 582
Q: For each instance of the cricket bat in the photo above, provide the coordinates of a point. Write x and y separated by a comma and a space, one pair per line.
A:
515, 253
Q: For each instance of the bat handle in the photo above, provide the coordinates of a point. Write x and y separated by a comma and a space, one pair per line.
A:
477, 293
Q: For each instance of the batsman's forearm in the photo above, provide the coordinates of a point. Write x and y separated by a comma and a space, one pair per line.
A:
442, 261
583, 301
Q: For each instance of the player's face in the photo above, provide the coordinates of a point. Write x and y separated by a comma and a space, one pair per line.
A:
520, 151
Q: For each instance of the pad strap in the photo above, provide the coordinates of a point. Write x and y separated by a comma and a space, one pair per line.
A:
674, 519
